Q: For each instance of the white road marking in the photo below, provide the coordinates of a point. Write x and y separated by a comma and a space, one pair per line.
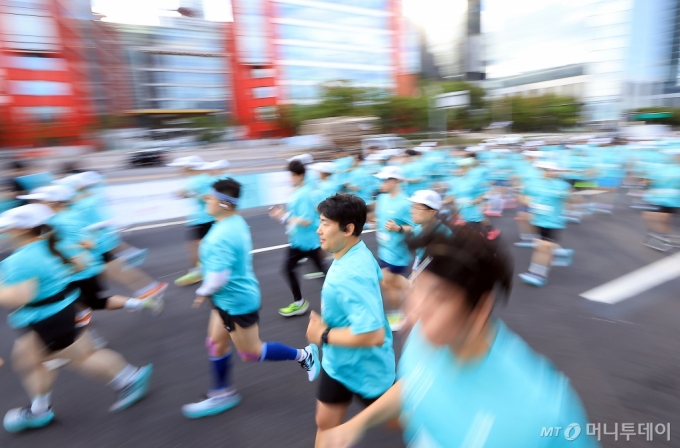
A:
636, 282
176, 223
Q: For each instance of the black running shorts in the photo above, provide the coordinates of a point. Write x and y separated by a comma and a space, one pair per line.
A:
242, 320
91, 293
334, 392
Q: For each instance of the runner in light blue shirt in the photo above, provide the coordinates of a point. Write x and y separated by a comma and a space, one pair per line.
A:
229, 282
467, 191
36, 285
546, 197
358, 356
464, 378
301, 218
393, 212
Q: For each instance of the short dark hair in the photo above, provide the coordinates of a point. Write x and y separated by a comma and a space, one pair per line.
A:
297, 167
345, 209
412, 152
475, 259
228, 186
360, 157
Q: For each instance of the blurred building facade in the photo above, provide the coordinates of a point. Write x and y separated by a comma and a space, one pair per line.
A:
46, 95
612, 55
179, 69
282, 50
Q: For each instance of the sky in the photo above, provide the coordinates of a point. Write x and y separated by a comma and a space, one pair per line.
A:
433, 15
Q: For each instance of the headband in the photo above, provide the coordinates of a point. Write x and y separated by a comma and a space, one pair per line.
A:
224, 197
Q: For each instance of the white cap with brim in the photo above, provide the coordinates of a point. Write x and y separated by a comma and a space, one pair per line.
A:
390, 172
26, 217
552, 166
532, 153
377, 157
50, 193
214, 166
187, 162
305, 159
427, 197
323, 167
474, 148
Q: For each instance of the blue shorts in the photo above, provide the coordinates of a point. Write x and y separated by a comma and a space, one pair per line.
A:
399, 270
502, 183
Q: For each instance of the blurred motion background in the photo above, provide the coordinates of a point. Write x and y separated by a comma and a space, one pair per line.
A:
105, 74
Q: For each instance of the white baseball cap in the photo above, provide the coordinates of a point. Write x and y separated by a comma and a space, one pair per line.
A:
547, 166
26, 217
305, 159
186, 162
213, 166
50, 193
427, 197
81, 180
323, 167
467, 161
390, 172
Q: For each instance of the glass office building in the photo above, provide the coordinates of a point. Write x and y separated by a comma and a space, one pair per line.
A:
300, 44
179, 67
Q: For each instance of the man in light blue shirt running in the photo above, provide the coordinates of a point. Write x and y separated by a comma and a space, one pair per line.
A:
358, 359
465, 379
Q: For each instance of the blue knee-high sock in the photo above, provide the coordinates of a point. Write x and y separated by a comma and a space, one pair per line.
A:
221, 367
275, 351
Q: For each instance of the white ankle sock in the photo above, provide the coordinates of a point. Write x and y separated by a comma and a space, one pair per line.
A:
302, 354
124, 377
40, 403
134, 305
299, 302
538, 269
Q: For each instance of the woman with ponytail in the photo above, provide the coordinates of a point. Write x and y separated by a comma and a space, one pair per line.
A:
35, 283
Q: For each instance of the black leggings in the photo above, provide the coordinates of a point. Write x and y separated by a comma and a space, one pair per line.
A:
292, 258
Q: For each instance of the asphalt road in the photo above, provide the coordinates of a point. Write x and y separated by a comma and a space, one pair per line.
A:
623, 359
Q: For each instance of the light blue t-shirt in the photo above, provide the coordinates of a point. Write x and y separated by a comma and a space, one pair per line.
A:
93, 210
69, 225
391, 246
351, 297
362, 177
227, 246
324, 189
502, 400
546, 201
664, 189
417, 171
35, 261
302, 205
199, 186
466, 189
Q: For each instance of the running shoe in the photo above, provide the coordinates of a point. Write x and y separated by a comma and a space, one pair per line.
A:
194, 276
311, 363
154, 302
83, 318
533, 279
134, 258
19, 419
211, 405
134, 391
314, 275
158, 289
563, 257
396, 321
294, 310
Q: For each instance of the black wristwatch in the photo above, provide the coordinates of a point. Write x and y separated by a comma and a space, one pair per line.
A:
324, 335
401, 229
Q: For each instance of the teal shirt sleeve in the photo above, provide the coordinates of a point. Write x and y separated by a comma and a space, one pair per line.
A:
302, 205
364, 315
219, 257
